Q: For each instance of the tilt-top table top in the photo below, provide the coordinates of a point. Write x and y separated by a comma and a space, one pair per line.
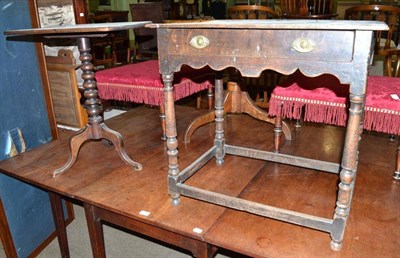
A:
79, 28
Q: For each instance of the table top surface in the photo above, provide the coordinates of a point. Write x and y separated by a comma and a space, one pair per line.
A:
277, 24
79, 28
215, 24
101, 178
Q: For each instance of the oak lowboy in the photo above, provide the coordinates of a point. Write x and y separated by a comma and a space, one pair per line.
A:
340, 48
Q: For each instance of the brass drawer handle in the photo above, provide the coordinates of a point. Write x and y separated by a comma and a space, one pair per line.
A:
199, 42
303, 45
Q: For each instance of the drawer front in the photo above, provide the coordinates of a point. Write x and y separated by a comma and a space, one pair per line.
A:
329, 46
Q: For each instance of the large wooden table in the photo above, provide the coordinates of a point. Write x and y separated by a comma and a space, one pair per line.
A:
113, 192
340, 48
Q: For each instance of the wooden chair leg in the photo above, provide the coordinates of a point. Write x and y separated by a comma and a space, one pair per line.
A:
396, 174
277, 133
198, 101
210, 98
163, 123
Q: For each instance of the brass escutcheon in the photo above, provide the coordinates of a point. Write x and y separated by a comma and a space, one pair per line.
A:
303, 45
199, 42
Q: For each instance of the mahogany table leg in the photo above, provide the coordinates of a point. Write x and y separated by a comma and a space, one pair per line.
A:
236, 101
95, 217
117, 141
95, 129
95, 231
205, 250
5, 234
58, 216
75, 142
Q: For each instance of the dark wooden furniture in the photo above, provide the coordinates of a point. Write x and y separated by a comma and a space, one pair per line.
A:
237, 100
96, 129
112, 193
251, 12
166, 4
259, 85
146, 39
146, 43
283, 46
386, 42
96, 216
114, 48
103, 184
380, 117
184, 9
307, 9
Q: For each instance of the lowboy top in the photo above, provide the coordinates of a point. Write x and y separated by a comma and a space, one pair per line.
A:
278, 24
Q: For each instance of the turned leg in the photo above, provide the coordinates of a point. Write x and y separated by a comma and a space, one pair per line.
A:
95, 129
277, 133
219, 140
348, 171
208, 117
172, 141
162, 120
198, 101
396, 174
210, 98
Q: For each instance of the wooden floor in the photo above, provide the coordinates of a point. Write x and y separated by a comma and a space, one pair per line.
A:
99, 176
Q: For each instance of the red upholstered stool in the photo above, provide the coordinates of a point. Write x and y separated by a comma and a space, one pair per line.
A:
142, 83
324, 100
